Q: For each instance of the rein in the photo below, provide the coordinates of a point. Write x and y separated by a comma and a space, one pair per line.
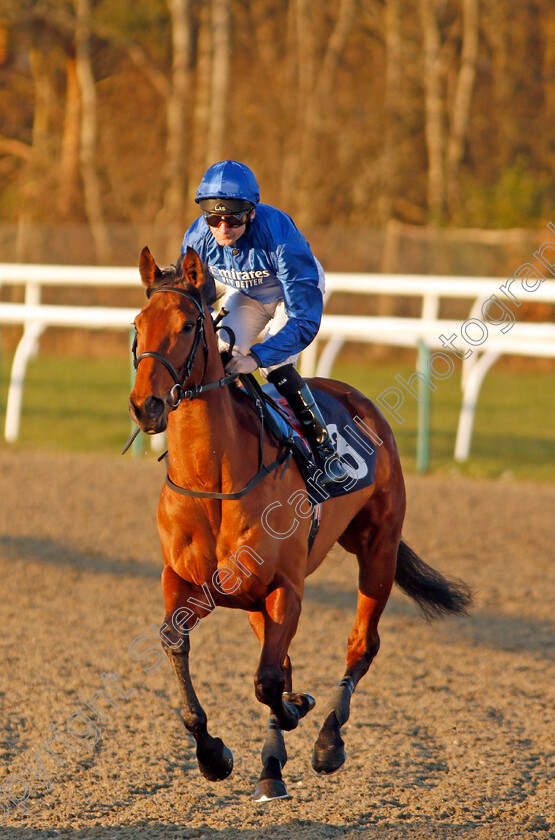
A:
178, 393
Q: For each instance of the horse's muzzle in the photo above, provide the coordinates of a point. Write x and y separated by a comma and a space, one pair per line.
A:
151, 415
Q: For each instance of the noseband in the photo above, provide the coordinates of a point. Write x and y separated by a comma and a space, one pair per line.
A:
177, 392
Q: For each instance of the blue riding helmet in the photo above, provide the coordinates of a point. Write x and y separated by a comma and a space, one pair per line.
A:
229, 180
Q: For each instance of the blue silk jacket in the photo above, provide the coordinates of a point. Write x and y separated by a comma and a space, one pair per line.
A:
272, 261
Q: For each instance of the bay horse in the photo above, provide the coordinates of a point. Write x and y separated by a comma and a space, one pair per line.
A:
216, 550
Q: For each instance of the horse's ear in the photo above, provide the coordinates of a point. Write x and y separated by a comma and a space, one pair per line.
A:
193, 271
147, 267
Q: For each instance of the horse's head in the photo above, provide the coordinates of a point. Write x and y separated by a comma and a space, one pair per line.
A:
170, 345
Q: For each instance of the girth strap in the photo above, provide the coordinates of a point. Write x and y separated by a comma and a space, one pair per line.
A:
262, 473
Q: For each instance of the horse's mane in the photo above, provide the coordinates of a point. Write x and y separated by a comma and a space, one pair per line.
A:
173, 276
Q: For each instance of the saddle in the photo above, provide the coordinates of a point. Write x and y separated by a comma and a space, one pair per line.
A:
276, 416
357, 451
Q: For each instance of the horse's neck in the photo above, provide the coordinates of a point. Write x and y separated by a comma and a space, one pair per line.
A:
206, 442
199, 439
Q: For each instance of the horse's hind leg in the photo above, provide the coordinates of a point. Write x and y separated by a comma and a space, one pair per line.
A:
215, 760
377, 558
270, 784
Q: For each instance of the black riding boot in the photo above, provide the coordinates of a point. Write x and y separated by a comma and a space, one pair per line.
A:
297, 393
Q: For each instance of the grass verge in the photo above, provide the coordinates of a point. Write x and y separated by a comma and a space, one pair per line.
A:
73, 404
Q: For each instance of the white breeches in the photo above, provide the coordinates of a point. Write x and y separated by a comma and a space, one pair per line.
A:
247, 318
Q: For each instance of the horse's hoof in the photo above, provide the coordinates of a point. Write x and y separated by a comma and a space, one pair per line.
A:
304, 702
268, 789
329, 753
328, 761
219, 768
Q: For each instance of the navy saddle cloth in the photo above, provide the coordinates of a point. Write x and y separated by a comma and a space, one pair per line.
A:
356, 450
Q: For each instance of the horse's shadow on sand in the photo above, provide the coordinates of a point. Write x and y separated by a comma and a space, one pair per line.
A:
295, 829
58, 553
491, 629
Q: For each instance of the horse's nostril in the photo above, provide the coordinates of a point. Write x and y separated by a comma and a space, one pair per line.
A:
133, 410
154, 407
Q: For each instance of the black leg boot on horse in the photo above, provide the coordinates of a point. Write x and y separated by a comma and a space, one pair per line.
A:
274, 626
292, 386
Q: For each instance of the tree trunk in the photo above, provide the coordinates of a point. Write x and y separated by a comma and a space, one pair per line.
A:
201, 106
433, 110
314, 95
221, 38
39, 161
288, 168
176, 114
69, 162
87, 151
393, 96
499, 36
43, 103
306, 112
463, 98
334, 49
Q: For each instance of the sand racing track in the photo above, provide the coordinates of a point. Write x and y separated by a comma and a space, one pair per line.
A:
450, 732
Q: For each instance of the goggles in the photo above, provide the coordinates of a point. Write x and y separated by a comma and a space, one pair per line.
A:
232, 220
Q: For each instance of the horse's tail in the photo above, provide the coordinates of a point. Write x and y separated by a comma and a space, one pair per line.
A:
434, 594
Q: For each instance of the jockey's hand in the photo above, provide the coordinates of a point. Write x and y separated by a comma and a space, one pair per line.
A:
241, 364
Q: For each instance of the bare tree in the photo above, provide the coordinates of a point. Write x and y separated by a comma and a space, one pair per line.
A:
221, 43
87, 155
392, 100
463, 97
344, 22
69, 161
44, 96
433, 109
314, 96
201, 104
39, 159
176, 118
370, 106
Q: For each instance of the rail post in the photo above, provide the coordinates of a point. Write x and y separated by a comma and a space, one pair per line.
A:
423, 431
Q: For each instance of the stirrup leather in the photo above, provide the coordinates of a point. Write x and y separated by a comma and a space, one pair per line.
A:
316, 431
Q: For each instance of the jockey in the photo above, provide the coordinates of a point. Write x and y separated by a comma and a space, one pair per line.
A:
274, 281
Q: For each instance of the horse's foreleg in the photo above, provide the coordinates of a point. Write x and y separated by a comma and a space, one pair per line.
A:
215, 760
281, 612
377, 570
270, 784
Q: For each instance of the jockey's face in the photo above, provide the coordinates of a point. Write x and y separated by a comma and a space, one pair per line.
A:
225, 235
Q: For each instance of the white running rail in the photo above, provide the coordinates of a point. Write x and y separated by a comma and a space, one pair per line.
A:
523, 338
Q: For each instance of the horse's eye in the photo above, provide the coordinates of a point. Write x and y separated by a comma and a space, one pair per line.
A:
187, 326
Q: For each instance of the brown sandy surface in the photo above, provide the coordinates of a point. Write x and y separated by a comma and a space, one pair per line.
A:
450, 733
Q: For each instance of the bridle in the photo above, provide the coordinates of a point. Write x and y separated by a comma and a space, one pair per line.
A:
177, 392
